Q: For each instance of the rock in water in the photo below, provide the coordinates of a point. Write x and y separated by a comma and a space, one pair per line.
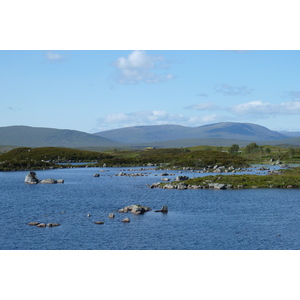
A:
111, 215
49, 181
126, 220
99, 222
164, 209
31, 178
53, 224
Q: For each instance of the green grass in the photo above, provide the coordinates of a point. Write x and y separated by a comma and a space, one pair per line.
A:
289, 177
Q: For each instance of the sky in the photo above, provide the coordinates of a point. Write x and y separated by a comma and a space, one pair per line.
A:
98, 90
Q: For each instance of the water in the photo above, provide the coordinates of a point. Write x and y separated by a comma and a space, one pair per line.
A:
197, 219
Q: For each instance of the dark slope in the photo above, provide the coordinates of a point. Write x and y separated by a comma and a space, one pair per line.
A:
46, 137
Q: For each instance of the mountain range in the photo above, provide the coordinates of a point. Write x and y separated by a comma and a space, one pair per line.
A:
219, 134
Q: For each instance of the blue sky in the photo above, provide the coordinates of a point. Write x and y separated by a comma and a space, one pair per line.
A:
100, 90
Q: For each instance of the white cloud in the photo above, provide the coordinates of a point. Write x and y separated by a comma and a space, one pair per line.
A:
52, 56
260, 108
141, 118
202, 106
229, 90
140, 67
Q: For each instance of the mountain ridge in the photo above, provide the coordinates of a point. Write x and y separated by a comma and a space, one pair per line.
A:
170, 135
159, 133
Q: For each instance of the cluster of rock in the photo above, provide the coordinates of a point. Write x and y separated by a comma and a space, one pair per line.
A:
133, 174
31, 178
37, 224
134, 209
183, 186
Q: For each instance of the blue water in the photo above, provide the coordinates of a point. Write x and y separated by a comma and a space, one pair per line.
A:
197, 219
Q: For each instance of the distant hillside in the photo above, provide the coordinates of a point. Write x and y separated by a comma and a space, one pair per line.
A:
291, 134
48, 137
159, 133
194, 142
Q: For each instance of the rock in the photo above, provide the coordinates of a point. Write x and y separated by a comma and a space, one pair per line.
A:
48, 181
96, 175
31, 178
88, 215
165, 179
217, 186
33, 223
164, 209
181, 178
41, 225
99, 222
53, 224
111, 215
169, 186
60, 181
136, 209
126, 220
154, 185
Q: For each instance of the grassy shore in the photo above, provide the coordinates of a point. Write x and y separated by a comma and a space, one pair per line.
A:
289, 178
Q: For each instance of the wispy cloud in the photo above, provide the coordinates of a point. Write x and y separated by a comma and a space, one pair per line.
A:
261, 108
202, 95
228, 90
52, 56
294, 95
202, 106
141, 67
13, 108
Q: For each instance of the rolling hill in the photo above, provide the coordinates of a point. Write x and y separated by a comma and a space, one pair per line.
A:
160, 133
160, 136
27, 136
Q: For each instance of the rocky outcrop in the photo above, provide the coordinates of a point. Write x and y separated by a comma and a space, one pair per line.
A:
135, 209
31, 178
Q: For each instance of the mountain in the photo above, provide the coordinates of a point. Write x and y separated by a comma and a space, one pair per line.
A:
160, 133
27, 136
290, 134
